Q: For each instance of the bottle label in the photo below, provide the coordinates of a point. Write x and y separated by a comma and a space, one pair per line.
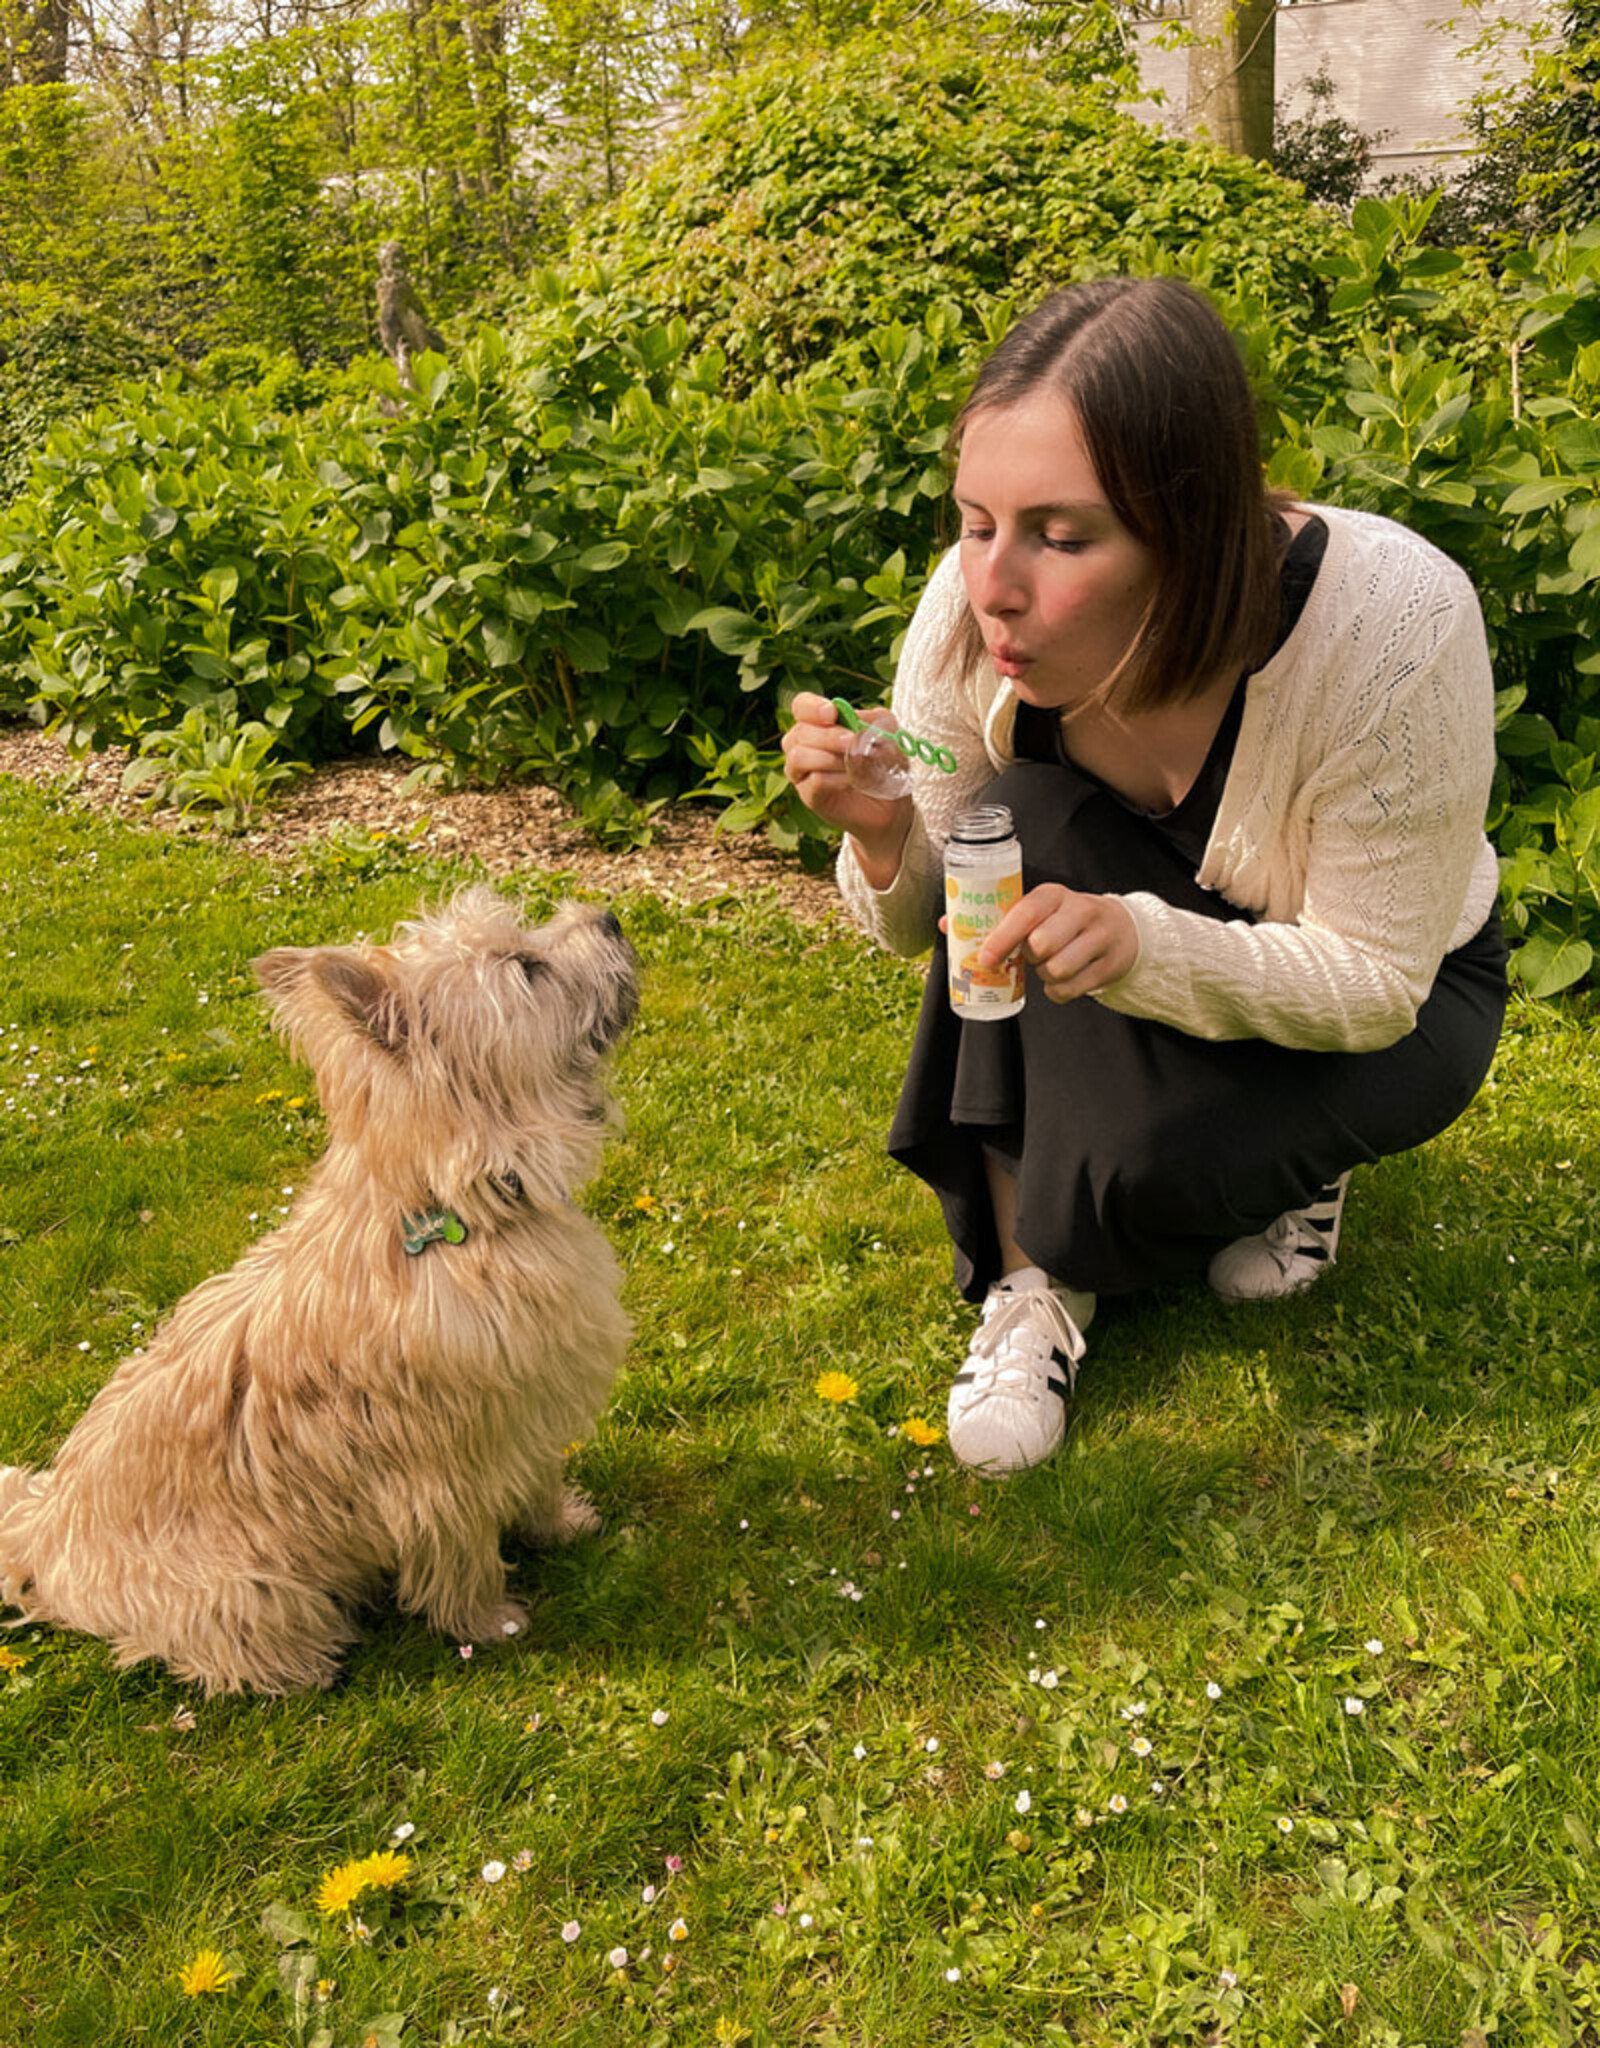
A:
975, 902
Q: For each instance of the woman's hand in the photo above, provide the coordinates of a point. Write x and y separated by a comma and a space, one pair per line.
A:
1077, 943
814, 750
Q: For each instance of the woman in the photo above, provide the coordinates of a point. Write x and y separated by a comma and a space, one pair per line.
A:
1247, 745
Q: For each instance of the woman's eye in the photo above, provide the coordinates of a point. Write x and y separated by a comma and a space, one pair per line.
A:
977, 533
1062, 545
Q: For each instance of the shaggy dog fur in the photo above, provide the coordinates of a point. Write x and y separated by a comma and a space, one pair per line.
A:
337, 1414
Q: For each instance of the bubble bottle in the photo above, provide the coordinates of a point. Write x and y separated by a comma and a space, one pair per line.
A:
982, 880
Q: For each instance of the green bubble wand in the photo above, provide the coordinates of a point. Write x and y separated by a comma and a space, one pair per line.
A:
873, 743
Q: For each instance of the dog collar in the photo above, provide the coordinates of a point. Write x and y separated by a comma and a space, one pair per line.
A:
431, 1226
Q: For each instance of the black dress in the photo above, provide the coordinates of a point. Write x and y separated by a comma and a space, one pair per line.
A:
1139, 1149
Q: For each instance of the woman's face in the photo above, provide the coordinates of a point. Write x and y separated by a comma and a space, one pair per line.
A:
1055, 580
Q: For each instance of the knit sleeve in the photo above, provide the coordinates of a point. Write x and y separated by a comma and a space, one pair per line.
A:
1389, 821
935, 700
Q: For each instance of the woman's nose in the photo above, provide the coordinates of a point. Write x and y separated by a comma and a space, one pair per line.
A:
998, 589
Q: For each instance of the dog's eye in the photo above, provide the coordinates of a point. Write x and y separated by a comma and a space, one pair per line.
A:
533, 968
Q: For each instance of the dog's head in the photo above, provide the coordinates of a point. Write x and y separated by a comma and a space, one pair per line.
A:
468, 1050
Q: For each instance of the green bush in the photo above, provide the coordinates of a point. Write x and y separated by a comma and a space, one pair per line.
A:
583, 562
808, 203
1485, 440
55, 360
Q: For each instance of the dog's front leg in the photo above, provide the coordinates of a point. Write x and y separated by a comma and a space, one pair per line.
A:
456, 1580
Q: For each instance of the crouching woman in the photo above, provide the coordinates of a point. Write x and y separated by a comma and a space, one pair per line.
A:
1246, 744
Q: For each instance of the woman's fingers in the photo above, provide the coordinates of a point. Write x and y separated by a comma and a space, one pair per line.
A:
1077, 943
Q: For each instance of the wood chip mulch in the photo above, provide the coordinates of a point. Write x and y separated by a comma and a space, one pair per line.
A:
508, 830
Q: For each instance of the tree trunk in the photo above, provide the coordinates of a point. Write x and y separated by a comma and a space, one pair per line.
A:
1232, 67
39, 48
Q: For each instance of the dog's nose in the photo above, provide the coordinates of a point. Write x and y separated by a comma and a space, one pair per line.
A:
611, 924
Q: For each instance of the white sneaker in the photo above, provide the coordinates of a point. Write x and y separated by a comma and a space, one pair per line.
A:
1285, 1257
1008, 1406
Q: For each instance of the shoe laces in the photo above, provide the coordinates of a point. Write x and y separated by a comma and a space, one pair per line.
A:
1312, 1231
1017, 1337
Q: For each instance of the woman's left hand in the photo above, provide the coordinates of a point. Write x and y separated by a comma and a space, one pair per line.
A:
1077, 943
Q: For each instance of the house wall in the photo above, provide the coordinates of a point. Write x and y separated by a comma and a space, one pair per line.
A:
1399, 65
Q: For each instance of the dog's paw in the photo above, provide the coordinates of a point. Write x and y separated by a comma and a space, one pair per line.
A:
579, 1516
570, 1517
502, 1624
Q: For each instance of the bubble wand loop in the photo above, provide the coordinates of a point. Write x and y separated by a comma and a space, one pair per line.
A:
866, 762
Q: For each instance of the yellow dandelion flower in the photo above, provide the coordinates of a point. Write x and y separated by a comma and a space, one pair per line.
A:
645, 1202
836, 1386
340, 1889
11, 1660
295, 1102
387, 1867
918, 1430
208, 1972
270, 1095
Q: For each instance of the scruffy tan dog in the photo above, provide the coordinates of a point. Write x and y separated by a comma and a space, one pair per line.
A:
382, 1386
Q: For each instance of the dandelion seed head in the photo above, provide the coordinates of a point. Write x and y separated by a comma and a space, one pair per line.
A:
1213, 1690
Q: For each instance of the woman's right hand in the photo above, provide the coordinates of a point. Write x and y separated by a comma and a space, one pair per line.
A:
814, 751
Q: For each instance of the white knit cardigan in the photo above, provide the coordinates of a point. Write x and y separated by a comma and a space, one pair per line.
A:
1350, 826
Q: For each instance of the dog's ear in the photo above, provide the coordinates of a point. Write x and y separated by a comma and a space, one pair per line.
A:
281, 969
363, 993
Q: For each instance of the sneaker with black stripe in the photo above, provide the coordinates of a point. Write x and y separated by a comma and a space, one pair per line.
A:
1008, 1404
1285, 1257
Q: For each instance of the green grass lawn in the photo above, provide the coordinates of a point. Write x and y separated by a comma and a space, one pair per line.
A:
1268, 1713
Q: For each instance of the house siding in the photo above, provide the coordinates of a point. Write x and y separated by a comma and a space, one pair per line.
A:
1401, 66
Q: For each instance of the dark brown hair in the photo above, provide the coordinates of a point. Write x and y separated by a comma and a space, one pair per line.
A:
1168, 420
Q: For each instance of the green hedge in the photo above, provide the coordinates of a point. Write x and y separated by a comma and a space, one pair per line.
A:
580, 561
810, 202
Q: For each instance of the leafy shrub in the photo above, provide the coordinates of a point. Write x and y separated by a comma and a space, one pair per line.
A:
807, 204
1487, 443
584, 563
54, 361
